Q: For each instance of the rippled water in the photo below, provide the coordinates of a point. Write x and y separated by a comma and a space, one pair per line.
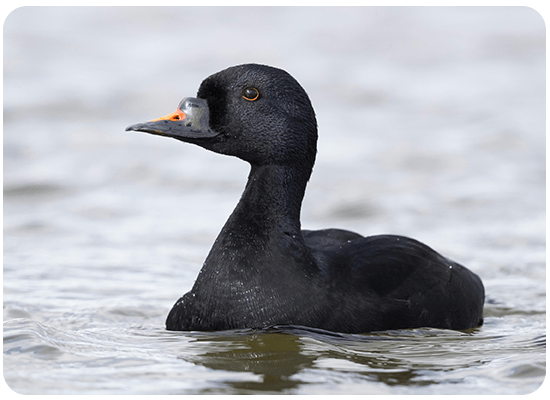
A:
432, 125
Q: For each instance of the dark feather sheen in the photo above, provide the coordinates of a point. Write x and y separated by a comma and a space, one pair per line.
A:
264, 270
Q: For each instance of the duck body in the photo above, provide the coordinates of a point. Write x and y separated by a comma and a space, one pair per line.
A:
263, 270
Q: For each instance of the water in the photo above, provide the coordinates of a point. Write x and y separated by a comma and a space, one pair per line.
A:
432, 125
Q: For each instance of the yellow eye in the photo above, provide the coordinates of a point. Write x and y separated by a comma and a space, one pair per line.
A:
251, 94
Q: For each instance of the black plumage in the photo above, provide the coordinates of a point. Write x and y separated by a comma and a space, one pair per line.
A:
263, 269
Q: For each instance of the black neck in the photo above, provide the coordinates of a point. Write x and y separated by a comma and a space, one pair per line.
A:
271, 200
264, 226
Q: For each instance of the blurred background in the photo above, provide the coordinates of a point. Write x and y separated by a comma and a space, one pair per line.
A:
431, 125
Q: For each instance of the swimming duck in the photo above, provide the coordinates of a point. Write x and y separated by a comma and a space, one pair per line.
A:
263, 270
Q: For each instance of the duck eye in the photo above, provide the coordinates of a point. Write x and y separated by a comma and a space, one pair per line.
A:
251, 94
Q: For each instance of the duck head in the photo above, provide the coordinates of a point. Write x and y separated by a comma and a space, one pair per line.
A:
255, 112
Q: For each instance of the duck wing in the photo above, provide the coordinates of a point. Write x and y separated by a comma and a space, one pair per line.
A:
393, 282
322, 238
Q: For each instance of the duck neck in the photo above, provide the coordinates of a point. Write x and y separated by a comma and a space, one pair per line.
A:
262, 237
271, 201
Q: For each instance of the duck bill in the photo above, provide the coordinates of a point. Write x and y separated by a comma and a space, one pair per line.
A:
189, 121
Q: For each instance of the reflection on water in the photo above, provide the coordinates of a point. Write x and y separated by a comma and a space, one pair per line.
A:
431, 125
397, 358
278, 360
277, 357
